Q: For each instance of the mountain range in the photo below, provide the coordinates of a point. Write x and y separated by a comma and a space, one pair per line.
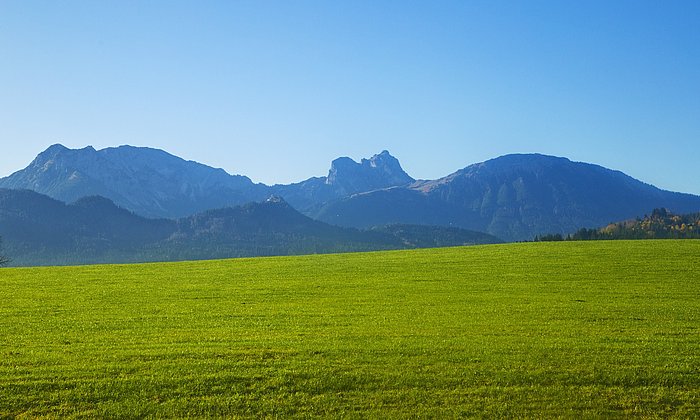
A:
149, 182
513, 197
39, 230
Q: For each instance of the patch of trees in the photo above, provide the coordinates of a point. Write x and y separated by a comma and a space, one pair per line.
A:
661, 224
3, 259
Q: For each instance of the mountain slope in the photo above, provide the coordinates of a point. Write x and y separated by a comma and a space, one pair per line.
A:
422, 236
154, 183
39, 230
513, 197
147, 181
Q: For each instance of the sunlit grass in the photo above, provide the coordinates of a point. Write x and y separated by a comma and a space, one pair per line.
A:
540, 329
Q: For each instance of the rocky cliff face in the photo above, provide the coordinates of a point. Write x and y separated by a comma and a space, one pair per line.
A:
346, 177
380, 171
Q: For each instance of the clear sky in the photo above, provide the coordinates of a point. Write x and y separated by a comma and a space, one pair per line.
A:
276, 90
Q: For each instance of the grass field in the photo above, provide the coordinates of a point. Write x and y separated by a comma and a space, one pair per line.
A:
577, 329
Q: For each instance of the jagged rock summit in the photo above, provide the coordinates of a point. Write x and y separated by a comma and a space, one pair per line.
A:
345, 178
379, 171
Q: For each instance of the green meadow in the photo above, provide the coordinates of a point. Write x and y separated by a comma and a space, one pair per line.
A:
575, 329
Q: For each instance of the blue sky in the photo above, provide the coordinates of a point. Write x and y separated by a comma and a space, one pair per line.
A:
276, 90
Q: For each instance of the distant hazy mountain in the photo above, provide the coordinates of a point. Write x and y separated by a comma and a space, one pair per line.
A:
147, 181
422, 236
39, 230
513, 197
154, 183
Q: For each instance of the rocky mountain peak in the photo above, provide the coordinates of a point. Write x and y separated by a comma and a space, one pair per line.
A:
341, 164
382, 159
380, 171
147, 181
275, 199
60, 158
50, 154
54, 149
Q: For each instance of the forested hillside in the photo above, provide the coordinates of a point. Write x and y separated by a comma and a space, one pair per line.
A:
39, 230
661, 224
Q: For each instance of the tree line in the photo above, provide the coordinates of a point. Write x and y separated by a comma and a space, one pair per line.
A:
4, 260
661, 224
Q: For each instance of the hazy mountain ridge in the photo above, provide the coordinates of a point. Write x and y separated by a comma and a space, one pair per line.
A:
154, 183
39, 230
514, 197
148, 181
